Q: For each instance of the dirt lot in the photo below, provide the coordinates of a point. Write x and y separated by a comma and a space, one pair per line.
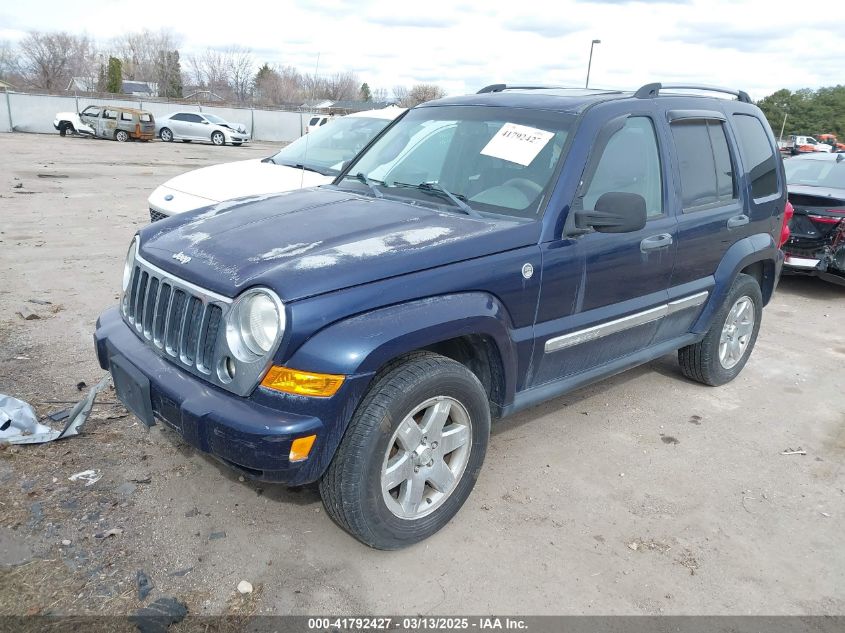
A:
642, 494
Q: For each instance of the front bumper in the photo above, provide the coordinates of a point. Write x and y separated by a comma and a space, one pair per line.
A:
249, 434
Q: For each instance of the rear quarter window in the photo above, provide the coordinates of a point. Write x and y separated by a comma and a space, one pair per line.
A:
146, 118
757, 154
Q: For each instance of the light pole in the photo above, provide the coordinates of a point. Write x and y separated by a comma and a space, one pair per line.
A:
590, 63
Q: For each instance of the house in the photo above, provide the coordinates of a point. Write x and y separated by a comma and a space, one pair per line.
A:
82, 84
139, 88
127, 87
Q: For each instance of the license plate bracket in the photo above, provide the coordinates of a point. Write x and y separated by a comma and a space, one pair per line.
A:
132, 388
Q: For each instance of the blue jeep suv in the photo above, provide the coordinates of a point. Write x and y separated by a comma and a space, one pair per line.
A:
481, 255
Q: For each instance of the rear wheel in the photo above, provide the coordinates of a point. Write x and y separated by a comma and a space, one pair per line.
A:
166, 135
722, 353
121, 136
411, 454
217, 138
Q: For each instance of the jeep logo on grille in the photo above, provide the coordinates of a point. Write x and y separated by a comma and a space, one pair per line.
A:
181, 257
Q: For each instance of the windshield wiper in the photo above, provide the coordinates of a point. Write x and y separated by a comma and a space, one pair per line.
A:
437, 188
367, 181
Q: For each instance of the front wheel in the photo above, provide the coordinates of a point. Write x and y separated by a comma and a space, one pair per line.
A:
722, 353
218, 139
66, 129
166, 135
121, 136
411, 454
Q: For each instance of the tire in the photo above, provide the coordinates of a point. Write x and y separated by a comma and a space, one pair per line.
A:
356, 488
166, 135
217, 138
236, 144
121, 136
66, 129
716, 360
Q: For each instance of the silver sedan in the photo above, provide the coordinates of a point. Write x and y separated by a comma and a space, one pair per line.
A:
200, 126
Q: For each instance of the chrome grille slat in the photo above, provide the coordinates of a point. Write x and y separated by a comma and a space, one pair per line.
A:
150, 301
139, 301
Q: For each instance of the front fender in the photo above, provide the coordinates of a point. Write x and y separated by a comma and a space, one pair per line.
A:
364, 343
760, 247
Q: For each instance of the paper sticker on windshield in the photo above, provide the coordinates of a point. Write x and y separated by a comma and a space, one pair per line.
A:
517, 143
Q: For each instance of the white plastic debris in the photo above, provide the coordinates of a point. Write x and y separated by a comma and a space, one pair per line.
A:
244, 587
90, 477
19, 424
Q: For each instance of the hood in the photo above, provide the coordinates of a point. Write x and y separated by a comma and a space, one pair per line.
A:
244, 178
314, 241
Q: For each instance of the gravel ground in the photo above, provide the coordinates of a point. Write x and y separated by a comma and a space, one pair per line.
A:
643, 494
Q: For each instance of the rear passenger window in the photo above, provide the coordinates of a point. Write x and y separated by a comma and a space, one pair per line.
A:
757, 154
630, 163
125, 116
704, 159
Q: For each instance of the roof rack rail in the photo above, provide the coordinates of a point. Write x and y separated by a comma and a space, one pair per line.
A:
501, 87
649, 91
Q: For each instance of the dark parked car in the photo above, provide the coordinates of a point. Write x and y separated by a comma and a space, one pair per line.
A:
483, 254
816, 245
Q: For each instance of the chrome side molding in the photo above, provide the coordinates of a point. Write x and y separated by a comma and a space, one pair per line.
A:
625, 323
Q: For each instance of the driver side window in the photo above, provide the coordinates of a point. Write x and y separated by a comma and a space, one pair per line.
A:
630, 163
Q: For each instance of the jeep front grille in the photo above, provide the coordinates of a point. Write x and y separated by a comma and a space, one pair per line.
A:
180, 320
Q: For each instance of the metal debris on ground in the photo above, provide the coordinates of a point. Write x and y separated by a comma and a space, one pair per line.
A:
112, 532
144, 584
797, 451
159, 615
19, 424
90, 477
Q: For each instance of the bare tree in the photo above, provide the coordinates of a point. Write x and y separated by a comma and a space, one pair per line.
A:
10, 67
379, 94
240, 66
400, 94
49, 60
275, 85
210, 70
342, 85
419, 93
142, 51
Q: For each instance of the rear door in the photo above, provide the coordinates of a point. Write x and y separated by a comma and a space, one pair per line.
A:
709, 209
604, 294
107, 123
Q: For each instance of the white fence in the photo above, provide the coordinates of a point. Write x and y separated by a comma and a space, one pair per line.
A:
35, 113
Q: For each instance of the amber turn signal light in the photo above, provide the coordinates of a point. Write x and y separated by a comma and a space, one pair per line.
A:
302, 383
300, 448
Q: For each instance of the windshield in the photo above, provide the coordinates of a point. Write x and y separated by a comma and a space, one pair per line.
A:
815, 173
326, 149
215, 119
495, 160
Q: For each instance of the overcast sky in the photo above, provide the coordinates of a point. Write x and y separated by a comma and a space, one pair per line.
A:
465, 44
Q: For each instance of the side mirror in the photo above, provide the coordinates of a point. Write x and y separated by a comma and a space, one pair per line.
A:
615, 212
204, 122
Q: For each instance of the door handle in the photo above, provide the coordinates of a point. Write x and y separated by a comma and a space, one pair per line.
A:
738, 221
656, 242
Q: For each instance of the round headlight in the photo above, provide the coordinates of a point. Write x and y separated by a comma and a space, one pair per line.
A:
258, 322
129, 264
